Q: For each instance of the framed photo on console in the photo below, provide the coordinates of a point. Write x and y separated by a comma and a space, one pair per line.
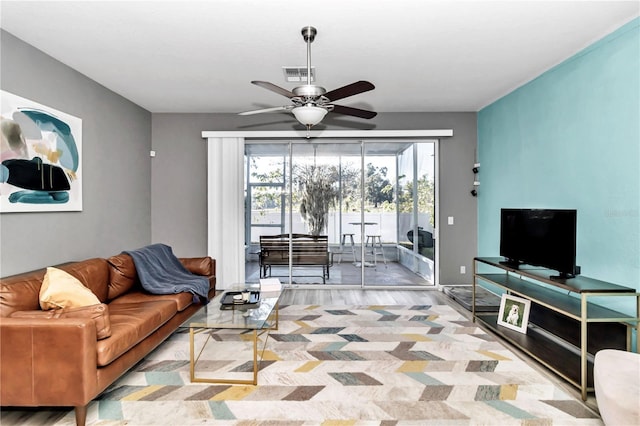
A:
514, 313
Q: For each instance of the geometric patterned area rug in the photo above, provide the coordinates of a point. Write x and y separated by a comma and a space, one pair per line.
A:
343, 365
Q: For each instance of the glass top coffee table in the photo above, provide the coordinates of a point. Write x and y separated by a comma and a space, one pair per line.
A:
257, 318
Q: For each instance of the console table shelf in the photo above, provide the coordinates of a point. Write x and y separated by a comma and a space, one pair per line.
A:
565, 328
560, 302
546, 350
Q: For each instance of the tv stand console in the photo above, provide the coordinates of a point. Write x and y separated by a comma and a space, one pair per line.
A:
565, 328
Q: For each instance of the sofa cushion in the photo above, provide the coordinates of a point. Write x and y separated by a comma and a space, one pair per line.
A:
130, 324
20, 292
182, 300
98, 313
198, 265
122, 275
61, 290
93, 273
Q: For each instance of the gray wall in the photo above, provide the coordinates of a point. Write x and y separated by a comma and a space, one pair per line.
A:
179, 182
116, 139
179, 192
131, 200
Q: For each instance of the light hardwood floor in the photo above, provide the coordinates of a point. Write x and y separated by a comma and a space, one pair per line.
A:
299, 296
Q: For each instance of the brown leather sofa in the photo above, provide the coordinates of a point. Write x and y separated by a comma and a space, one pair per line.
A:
60, 361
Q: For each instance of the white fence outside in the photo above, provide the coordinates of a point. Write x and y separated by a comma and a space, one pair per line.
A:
385, 224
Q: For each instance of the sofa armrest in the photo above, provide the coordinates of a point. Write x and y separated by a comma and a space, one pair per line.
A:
199, 265
47, 361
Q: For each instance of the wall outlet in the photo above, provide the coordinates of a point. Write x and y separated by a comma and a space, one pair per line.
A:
463, 269
152, 154
450, 220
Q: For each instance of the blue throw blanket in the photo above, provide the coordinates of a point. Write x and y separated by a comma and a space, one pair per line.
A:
161, 272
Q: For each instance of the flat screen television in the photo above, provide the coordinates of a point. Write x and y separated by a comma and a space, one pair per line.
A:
540, 237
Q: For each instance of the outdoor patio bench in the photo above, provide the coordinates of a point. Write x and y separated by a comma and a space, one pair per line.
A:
303, 250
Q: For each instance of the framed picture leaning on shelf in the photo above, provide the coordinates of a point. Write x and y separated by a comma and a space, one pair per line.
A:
514, 313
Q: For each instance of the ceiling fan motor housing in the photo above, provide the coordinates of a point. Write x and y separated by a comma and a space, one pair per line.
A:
309, 91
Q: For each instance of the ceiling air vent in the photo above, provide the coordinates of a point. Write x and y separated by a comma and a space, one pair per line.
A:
298, 74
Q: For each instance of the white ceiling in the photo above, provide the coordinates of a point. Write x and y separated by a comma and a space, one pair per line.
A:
200, 56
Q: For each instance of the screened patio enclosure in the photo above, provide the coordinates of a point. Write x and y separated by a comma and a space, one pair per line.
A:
375, 201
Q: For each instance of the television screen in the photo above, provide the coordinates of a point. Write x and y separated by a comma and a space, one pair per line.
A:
540, 237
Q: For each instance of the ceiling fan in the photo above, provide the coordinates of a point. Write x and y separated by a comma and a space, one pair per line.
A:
310, 103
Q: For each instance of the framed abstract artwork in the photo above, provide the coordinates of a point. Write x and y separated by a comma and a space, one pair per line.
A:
40, 157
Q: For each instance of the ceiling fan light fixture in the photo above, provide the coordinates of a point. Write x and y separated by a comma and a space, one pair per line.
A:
309, 115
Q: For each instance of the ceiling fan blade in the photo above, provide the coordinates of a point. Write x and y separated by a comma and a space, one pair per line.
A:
356, 112
260, 111
270, 86
349, 90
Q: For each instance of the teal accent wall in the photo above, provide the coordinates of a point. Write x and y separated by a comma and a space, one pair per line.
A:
571, 139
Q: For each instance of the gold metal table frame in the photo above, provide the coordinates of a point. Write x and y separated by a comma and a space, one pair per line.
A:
257, 320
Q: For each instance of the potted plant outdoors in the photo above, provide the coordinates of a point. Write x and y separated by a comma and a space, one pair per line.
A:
318, 195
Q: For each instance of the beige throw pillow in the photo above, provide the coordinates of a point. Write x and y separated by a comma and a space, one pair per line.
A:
62, 290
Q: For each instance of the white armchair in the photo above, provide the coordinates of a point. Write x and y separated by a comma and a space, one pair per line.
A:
616, 376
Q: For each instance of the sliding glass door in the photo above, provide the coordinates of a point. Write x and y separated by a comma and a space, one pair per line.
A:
374, 201
416, 208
